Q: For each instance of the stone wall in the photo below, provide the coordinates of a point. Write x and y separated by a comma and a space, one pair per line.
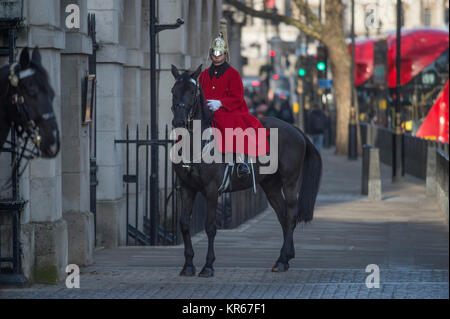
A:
57, 225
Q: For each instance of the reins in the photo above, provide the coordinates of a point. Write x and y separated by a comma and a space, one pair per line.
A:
30, 131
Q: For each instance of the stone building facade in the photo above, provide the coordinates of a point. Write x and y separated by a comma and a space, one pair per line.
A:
57, 225
375, 17
259, 37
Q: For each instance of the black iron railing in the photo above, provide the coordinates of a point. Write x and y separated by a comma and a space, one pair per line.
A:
11, 273
146, 226
415, 149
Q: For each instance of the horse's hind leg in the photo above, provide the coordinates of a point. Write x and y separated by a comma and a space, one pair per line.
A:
188, 197
288, 251
275, 197
272, 189
211, 230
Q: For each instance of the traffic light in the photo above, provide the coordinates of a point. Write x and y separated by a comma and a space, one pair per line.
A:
321, 66
322, 62
301, 72
272, 54
303, 67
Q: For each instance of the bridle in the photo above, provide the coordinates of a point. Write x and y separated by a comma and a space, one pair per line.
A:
193, 110
191, 114
30, 129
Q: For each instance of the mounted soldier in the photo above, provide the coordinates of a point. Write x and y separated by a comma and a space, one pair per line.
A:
291, 187
224, 92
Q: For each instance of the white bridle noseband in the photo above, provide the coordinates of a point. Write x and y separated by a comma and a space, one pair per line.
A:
15, 78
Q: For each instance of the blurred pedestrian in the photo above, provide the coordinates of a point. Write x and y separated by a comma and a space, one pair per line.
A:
253, 103
274, 108
286, 113
317, 124
261, 109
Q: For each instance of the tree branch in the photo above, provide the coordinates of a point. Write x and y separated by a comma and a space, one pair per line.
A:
310, 16
312, 32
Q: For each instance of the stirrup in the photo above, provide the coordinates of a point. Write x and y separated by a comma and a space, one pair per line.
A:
226, 182
243, 169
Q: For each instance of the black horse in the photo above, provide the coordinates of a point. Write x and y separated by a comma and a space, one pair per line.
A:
26, 100
291, 191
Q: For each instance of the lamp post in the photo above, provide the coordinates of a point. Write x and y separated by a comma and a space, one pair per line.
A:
154, 183
352, 136
397, 142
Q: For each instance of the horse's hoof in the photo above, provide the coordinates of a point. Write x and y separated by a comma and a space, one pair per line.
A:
206, 273
188, 271
280, 267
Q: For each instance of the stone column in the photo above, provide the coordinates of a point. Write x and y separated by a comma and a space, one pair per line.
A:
111, 56
173, 49
45, 206
75, 141
130, 37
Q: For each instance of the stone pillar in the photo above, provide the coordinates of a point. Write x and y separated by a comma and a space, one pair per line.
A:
371, 175
174, 48
75, 141
111, 57
130, 37
45, 206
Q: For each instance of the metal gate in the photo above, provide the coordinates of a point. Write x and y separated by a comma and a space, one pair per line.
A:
93, 182
144, 226
11, 207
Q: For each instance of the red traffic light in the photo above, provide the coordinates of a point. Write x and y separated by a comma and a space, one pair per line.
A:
276, 77
272, 53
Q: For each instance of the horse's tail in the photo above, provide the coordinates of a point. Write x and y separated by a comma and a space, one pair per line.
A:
310, 182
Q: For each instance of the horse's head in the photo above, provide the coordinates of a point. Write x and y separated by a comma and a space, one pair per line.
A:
185, 95
31, 106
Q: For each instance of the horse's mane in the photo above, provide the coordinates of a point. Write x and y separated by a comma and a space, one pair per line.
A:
43, 79
4, 71
205, 114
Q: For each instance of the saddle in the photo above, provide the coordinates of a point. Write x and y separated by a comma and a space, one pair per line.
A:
226, 185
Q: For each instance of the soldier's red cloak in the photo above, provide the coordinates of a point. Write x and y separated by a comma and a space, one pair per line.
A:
224, 83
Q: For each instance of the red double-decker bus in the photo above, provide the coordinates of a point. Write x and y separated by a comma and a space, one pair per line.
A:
424, 72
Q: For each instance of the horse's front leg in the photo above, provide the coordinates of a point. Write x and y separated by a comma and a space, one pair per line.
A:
188, 197
211, 230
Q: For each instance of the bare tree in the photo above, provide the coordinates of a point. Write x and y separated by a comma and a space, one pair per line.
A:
331, 34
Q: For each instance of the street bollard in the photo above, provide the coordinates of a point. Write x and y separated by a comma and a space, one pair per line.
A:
371, 175
431, 170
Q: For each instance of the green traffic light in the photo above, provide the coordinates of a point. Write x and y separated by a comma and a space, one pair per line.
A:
301, 72
321, 66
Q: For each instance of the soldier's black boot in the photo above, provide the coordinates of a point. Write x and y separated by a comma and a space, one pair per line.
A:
243, 169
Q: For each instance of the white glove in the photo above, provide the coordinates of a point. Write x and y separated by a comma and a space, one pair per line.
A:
214, 105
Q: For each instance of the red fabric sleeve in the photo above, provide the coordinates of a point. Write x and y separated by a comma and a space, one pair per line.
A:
234, 94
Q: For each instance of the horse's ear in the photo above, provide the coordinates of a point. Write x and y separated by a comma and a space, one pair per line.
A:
196, 74
24, 58
175, 72
36, 56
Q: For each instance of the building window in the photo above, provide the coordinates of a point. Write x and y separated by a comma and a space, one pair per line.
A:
287, 5
446, 14
427, 17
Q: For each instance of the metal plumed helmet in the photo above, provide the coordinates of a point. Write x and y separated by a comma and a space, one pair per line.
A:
219, 46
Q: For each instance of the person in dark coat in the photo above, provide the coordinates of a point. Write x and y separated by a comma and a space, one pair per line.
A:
286, 113
317, 124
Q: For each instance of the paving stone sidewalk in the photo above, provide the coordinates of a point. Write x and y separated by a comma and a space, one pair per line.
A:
405, 234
